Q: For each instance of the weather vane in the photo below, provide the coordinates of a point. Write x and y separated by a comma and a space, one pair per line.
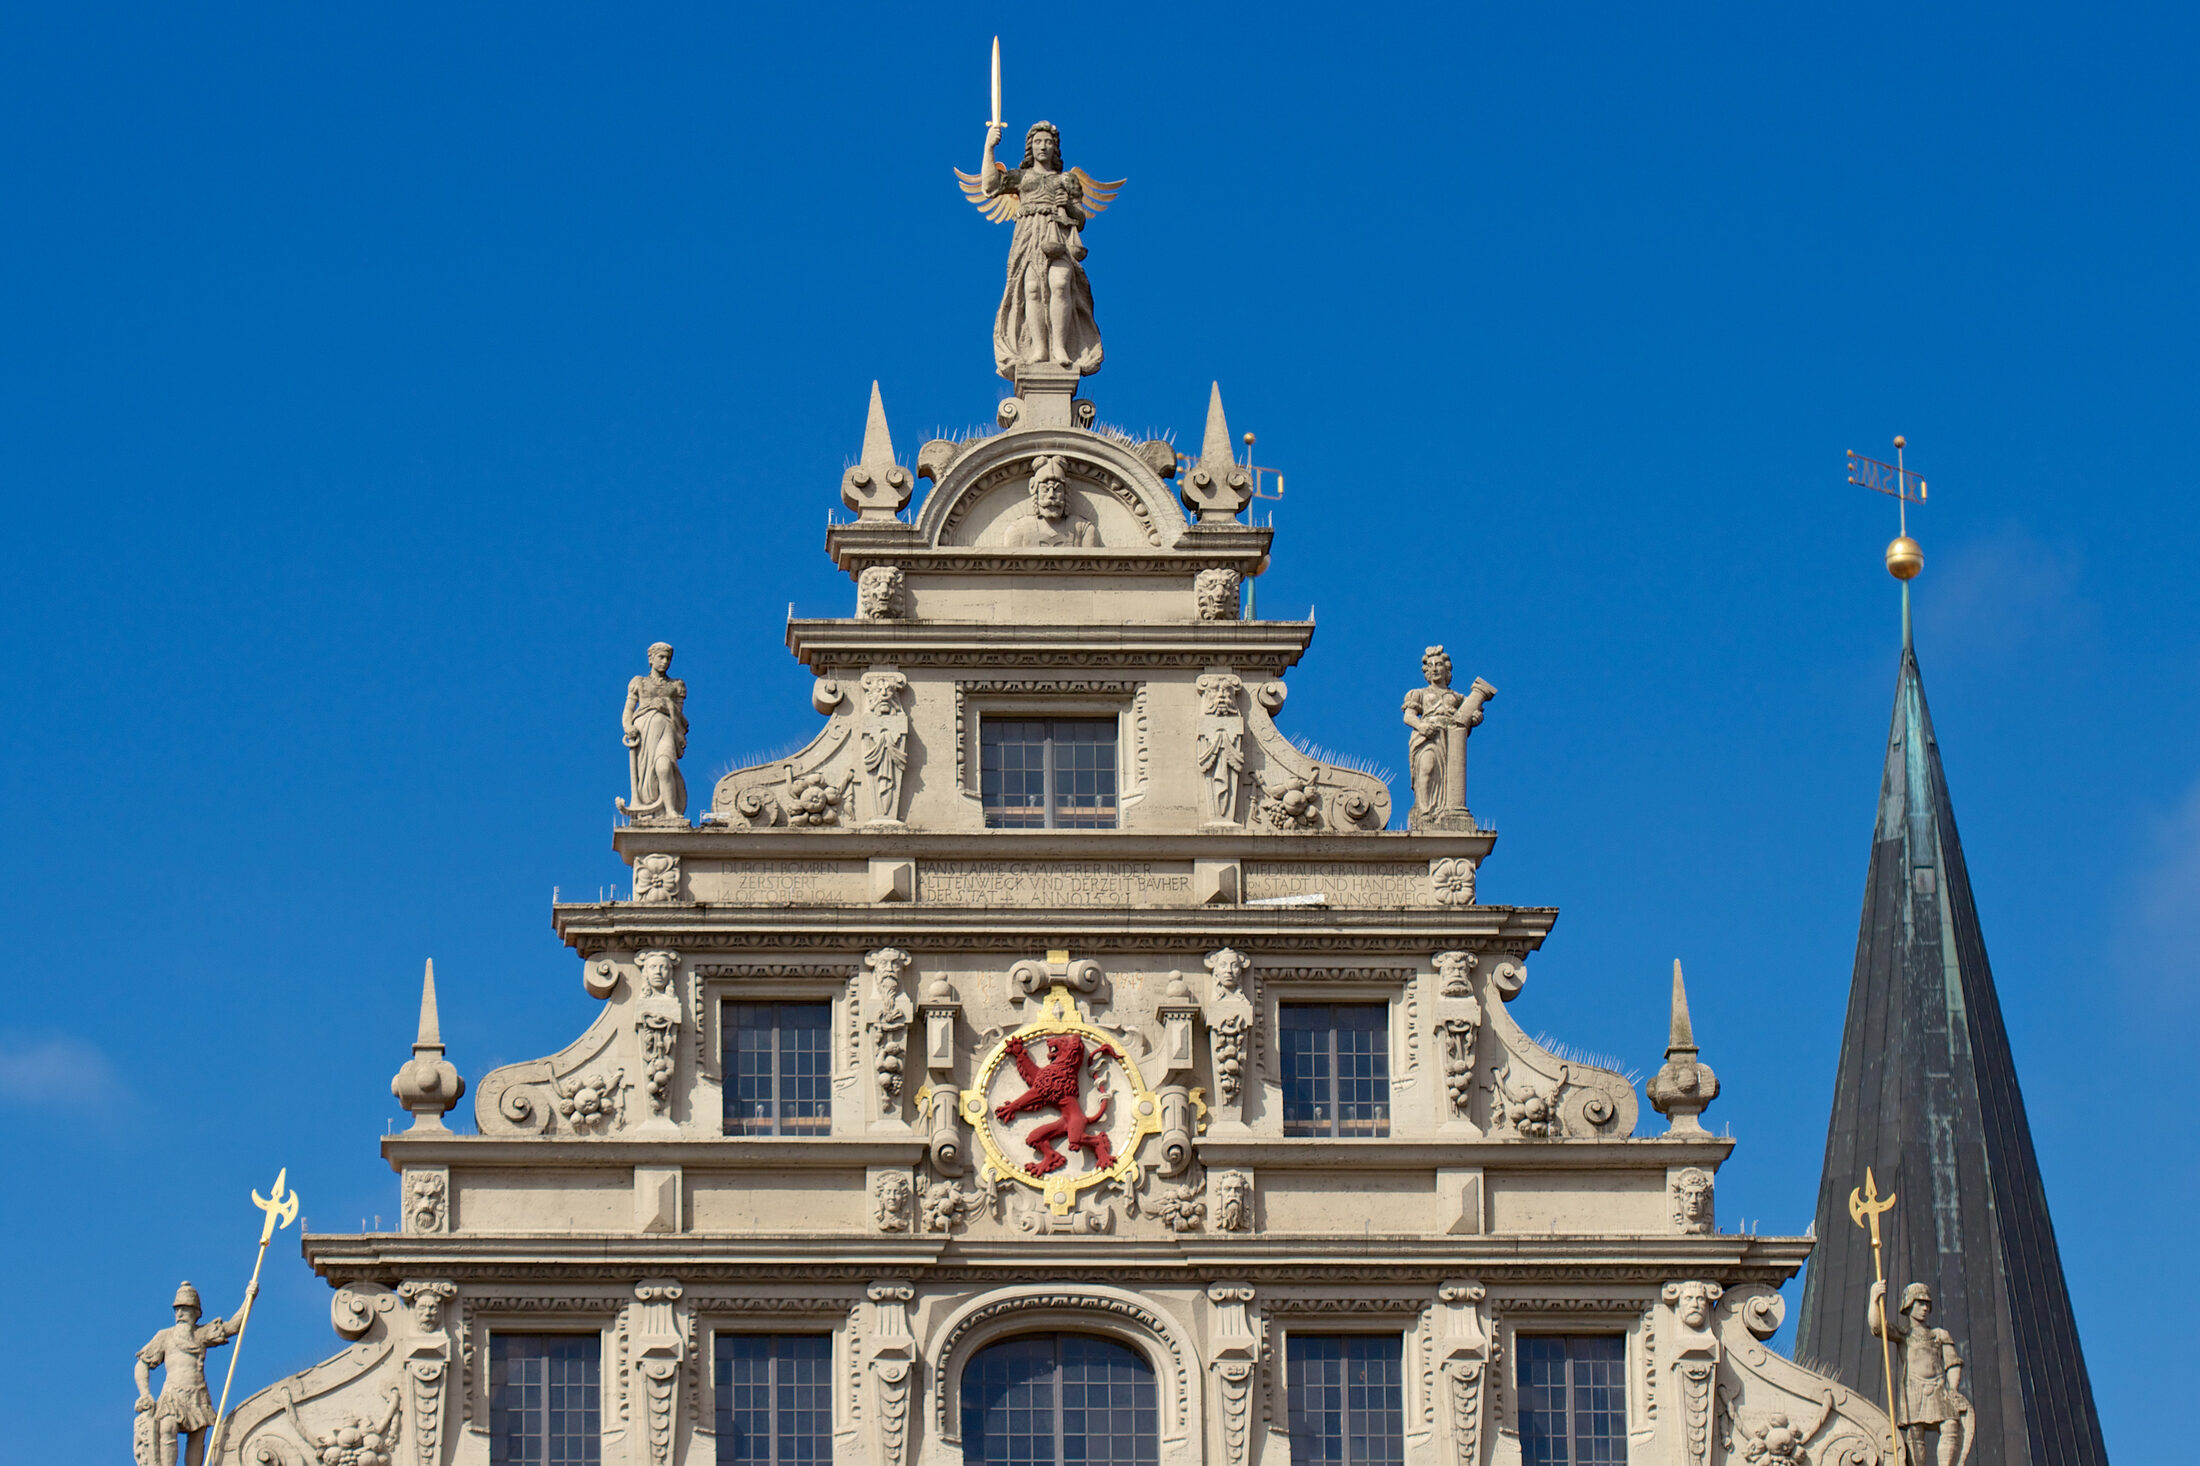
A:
1905, 557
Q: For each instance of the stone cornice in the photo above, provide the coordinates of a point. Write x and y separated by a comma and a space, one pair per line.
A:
789, 1153
1297, 930
855, 842
1497, 1259
1251, 648
1496, 1155
1190, 556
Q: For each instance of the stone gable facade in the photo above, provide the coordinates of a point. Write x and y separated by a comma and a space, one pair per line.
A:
1052, 992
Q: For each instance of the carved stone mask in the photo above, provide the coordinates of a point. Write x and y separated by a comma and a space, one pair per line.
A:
879, 592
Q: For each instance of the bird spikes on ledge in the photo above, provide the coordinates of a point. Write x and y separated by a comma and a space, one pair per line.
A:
1682, 1089
428, 1084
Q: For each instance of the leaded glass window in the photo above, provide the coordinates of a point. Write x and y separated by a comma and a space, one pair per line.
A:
1053, 1399
1347, 1399
545, 1399
775, 1399
779, 1068
1047, 773
1573, 1399
1336, 1069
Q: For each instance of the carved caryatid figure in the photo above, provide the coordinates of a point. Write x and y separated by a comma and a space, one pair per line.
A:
1933, 1413
885, 730
184, 1409
656, 733
1045, 317
1048, 521
658, 1019
1221, 750
891, 1015
1436, 751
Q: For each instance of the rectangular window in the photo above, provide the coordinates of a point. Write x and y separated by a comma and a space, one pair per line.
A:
544, 1397
779, 1068
775, 1399
1336, 1069
1573, 1399
1047, 773
1347, 1399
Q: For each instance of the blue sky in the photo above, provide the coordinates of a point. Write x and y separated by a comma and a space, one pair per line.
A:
379, 382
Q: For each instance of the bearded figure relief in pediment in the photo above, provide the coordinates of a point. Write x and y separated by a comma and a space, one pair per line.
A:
654, 728
1050, 520
1045, 319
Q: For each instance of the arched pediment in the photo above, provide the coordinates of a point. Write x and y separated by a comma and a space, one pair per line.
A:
985, 491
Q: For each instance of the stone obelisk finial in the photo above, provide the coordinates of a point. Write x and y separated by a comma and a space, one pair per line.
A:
877, 488
1682, 1089
428, 1084
1219, 487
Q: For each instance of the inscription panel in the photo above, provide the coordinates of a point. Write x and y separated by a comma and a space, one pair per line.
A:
1055, 882
779, 882
1345, 883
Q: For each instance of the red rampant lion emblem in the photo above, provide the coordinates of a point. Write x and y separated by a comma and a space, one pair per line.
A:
1057, 1087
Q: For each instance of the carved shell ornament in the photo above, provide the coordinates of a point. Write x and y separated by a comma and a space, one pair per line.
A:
1060, 1106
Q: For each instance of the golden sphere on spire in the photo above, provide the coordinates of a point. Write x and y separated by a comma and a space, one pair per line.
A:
1899, 442
1905, 557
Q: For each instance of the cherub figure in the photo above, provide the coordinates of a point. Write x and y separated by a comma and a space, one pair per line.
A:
1045, 317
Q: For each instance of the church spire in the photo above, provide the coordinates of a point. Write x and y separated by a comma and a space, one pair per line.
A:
1927, 1097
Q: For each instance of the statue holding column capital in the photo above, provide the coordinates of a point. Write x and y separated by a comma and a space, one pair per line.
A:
1436, 751
184, 1410
654, 727
1931, 1410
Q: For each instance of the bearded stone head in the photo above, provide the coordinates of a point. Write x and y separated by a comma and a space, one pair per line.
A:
1693, 1301
880, 595
1216, 592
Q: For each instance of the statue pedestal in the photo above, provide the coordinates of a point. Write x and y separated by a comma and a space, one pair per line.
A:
1046, 397
1461, 820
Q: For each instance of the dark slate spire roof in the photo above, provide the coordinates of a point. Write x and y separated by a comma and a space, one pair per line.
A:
1927, 1097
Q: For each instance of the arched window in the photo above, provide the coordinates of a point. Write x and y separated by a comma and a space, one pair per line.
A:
1054, 1399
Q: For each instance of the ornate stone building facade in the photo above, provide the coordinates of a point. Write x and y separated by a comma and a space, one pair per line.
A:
1053, 1060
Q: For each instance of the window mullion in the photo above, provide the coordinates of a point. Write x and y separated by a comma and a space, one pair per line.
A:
1336, 1080
1046, 795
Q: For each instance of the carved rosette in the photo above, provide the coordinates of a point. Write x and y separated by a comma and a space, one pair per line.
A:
657, 879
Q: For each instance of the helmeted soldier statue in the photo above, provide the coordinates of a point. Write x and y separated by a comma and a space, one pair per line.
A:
184, 1408
1931, 1410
